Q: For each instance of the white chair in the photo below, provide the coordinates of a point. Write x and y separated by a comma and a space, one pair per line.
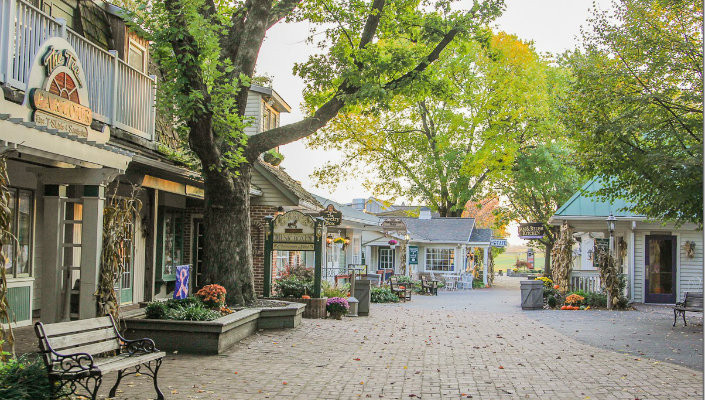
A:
465, 281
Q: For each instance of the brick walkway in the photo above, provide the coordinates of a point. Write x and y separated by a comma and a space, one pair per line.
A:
403, 351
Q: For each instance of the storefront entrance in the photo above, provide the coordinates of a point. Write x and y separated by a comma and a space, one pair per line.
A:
660, 277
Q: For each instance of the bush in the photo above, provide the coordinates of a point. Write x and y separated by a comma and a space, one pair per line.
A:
212, 296
477, 284
293, 287
24, 378
194, 312
332, 291
156, 310
552, 301
301, 272
383, 295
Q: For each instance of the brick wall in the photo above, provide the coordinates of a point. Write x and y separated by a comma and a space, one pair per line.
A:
257, 214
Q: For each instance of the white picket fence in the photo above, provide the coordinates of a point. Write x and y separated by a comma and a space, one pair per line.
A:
588, 281
118, 94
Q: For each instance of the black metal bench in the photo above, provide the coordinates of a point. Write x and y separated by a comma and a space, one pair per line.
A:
692, 302
75, 355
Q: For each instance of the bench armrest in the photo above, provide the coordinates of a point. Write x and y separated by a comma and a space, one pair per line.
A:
71, 363
680, 304
138, 346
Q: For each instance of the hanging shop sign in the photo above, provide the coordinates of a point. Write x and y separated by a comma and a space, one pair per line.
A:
295, 231
393, 225
531, 230
413, 254
58, 94
498, 242
332, 216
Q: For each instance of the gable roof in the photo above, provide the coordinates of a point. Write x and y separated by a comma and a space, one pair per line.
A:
288, 184
481, 235
441, 230
349, 213
582, 204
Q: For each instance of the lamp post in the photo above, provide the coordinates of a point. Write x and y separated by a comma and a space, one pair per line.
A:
407, 266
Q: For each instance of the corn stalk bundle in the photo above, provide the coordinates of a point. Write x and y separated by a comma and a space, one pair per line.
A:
490, 268
7, 339
118, 237
562, 257
608, 275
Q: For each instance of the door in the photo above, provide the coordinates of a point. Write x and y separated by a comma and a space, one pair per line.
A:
660, 272
127, 254
198, 252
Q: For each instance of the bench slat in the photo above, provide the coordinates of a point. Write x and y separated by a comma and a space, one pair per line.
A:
124, 361
77, 339
94, 348
61, 328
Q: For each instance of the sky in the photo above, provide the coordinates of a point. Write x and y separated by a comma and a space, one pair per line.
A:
553, 26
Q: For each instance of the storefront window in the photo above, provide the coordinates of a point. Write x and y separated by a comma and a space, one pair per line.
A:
386, 258
356, 250
17, 250
173, 242
281, 262
440, 259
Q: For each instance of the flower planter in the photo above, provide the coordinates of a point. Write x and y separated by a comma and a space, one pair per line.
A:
336, 316
212, 337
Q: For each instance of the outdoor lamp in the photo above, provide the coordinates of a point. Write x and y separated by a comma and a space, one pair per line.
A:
406, 237
329, 239
611, 220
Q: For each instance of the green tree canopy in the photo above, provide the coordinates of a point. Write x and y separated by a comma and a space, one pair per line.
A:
636, 105
475, 108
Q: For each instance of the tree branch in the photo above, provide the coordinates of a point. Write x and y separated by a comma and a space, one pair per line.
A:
280, 10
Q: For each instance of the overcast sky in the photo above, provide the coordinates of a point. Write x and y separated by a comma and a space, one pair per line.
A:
551, 24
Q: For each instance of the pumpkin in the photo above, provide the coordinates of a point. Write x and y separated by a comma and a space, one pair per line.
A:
305, 297
564, 308
556, 287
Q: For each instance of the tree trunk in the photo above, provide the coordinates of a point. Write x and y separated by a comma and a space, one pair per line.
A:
228, 250
547, 259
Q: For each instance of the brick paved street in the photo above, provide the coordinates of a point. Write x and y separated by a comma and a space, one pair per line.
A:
425, 350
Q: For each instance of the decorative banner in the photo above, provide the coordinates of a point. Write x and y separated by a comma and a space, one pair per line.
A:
294, 231
182, 279
531, 230
413, 254
332, 216
393, 225
498, 242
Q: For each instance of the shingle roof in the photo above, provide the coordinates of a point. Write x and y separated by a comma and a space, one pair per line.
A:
289, 183
350, 213
481, 235
454, 230
584, 205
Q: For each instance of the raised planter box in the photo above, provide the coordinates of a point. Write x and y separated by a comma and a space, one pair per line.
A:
315, 308
213, 337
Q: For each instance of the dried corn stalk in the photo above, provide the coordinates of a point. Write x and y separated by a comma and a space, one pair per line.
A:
7, 339
118, 237
562, 257
608, 275
490, 268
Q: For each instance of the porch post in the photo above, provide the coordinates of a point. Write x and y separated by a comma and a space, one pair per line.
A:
52, 252
92, 244
486, 262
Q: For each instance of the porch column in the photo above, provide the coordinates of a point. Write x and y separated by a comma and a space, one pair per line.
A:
52, 252
92, 243
486, 261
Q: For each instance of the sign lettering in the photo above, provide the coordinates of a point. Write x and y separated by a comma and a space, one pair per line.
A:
498, 242
55, 58
332, 216
413, 254
294, 231
393, 225
64, 125
531, 230
53, 104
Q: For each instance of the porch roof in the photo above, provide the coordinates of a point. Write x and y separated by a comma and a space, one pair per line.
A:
582, 205
440, 230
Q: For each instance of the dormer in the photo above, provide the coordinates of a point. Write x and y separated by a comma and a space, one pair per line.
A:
264, 105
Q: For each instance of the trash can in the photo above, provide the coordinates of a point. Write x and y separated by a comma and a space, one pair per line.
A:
362, 294
531, 295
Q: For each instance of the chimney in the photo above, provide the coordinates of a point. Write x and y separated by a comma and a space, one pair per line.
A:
425, 213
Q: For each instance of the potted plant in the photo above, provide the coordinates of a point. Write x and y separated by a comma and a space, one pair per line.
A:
337, 307
393, 243
339, 241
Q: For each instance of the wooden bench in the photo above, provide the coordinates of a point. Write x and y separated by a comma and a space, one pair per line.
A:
429, 285
73, 353
403, 292
692, 302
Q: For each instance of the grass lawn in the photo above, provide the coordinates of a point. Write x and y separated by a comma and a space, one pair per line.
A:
507, 259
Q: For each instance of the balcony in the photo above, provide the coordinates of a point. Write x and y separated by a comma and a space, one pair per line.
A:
119, 95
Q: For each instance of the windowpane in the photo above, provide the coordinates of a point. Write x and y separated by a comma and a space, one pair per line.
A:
386, 258
440, 259
8, 248
24, 232
135, 58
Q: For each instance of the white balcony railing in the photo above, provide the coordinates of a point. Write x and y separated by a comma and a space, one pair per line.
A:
119, 95
585, 280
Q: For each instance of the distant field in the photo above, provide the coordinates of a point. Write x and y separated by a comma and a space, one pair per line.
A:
506, 260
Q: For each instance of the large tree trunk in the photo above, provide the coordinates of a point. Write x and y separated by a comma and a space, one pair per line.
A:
547, 259
227, 247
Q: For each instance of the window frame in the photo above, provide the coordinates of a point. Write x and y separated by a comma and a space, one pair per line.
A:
12, 272
143, 49
432, 256
161, 239
390, 260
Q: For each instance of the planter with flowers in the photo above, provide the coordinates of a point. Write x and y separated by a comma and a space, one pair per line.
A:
339, 242
337, 307
204, 324
393, 243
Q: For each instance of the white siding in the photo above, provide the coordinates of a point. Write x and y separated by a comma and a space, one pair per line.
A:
271, 195
639, 264
691, 269
253, 110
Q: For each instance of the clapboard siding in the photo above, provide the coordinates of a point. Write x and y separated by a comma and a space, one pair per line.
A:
691, 269
271, 195
253, 111
639, 264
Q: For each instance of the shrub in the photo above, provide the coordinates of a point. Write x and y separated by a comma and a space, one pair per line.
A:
293, 287
332, 291
383, 295
156, 310
212, 296
337, 305
552, 301
24, 378
477, 284
194, 312
301, 272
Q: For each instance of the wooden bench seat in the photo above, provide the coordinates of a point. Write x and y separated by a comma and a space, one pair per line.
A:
78, 353
693, 302
403, 292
